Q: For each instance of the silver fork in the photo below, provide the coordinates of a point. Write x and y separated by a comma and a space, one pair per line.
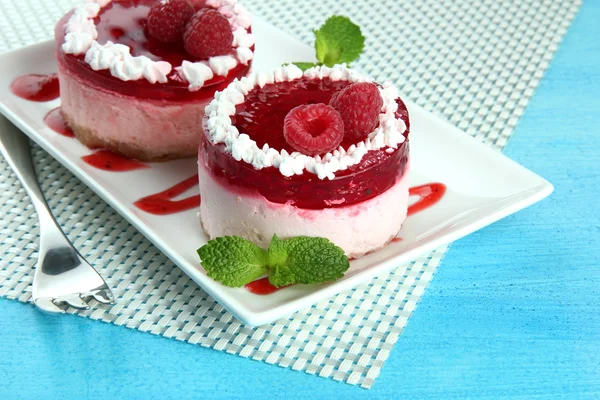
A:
62, 276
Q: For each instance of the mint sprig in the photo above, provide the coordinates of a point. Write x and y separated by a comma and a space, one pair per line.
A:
235, 261
309, 260
337, 41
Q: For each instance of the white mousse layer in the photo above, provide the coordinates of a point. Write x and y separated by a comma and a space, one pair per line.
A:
140, 128
358, 229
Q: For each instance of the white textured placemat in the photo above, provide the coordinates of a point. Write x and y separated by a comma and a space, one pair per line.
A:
475, 63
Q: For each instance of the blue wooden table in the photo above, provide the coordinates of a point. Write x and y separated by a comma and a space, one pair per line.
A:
513, 312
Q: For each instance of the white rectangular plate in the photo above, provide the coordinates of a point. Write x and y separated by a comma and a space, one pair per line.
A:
483, 186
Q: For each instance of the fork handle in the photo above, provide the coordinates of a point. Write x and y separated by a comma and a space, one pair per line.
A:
14, 145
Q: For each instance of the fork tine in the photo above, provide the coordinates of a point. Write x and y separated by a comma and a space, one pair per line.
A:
104, 296
47, 305
61, 273
75, 301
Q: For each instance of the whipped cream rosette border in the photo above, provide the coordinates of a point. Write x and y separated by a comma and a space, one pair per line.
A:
81, 35
388, 134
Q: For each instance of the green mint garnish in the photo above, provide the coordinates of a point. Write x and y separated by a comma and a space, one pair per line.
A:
309, 260
337, 41
277, 252
235, 261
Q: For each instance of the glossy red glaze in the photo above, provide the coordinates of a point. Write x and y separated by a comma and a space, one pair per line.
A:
124, 22
396, 240
162, 203
262, 287
429, 194
261, 117
109, 161
35, 87
55, 121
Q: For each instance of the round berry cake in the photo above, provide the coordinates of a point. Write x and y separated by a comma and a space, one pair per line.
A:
136, 75
321, 153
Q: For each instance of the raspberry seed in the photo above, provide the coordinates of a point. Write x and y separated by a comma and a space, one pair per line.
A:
313, 129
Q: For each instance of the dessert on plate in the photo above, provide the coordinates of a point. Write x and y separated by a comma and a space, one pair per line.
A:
136, 75
321, 153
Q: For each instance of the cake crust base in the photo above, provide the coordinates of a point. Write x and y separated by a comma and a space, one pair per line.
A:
128, 149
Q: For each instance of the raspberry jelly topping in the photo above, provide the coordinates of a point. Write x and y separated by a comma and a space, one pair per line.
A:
262, 116
125, 22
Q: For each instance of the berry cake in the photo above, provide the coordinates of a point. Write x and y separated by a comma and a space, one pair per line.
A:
136, 75
320, 153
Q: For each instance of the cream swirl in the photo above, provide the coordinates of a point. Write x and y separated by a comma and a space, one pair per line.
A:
81, 35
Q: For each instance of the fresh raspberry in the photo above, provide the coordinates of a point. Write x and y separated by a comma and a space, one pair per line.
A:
313, 129
359, 105
208, 34
167, 20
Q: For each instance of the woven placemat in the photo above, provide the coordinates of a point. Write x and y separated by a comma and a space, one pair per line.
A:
475, 63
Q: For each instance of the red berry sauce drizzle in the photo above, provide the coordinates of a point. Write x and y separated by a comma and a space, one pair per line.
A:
36, 87
262, 287
55, 121
108, 161
429, 194
162, 203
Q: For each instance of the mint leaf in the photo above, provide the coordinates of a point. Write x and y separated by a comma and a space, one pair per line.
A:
309, 260
338, 41
279, 274
277, 251
233, 261
305, 65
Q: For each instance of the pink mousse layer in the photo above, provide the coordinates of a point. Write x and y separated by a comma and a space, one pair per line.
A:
140, 128
358, 229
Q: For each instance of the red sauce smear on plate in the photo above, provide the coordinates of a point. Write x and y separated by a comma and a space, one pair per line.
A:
263, 287
109, 161
55, 121
162, 203
429, 194
35, 87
